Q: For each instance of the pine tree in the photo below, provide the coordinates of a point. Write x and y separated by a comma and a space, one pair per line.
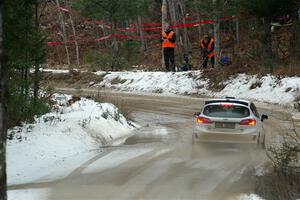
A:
3, 133
24, 47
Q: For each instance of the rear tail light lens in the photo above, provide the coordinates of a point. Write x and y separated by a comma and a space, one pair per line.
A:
248, 122
203, 120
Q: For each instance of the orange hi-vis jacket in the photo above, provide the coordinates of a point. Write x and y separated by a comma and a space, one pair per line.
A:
166, 43
208, 47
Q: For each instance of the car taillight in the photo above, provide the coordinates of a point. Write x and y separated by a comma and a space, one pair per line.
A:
248, 122
203, 120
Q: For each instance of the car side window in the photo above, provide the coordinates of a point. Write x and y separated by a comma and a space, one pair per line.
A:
254, 110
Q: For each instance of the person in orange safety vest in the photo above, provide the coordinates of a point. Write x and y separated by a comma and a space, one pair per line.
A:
168, 44
207, 46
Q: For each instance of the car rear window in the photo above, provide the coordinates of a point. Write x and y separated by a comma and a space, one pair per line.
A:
228, 111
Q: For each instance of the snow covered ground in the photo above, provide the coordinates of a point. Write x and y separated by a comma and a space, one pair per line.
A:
250, 197
61, 141
268, 88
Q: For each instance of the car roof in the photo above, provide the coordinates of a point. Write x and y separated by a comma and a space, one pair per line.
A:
229, 100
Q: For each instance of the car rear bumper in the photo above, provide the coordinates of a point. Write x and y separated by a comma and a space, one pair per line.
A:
225, 137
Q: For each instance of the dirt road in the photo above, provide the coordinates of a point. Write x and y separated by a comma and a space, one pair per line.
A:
159, 161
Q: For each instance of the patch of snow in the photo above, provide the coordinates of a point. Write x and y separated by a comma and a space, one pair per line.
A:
60, 141
59, 71
56, 71
28, 194
155, 82
251, 197
260, 170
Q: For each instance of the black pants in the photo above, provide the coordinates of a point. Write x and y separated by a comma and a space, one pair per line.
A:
205, 61
169, 59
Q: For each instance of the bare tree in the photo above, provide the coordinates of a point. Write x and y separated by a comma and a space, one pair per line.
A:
141, 33
115, 47
199, 27
216, 33
105, 33
186, 41
3, 133
163, 24
75, 39
172, 10
237, 36
63, 28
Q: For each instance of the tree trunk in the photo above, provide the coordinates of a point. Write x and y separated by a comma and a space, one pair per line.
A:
217, 41
63, 28
172, 10
37, 64
96, 35
199, 28
237, 36
163, 25
75, 40
3, 106
216, 33
114, 48
268, 52
186, 41
295, 40
268, 39
141, 32
104, 33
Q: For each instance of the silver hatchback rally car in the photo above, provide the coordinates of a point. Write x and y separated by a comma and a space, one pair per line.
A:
229, 116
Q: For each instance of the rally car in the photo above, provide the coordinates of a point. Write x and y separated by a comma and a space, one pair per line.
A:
229, 116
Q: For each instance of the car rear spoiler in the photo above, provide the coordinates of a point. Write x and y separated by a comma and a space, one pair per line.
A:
228, 101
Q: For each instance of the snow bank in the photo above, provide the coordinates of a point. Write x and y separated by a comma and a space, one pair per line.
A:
59, 141
155, 82
268, 88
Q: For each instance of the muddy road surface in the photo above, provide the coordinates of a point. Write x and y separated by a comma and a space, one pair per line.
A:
160, 162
